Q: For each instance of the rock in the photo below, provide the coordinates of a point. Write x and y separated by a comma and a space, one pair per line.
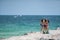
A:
25, 34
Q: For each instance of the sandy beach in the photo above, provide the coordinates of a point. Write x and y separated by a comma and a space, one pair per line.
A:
53, 34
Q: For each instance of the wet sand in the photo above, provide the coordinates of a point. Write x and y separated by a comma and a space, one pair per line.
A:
53, 34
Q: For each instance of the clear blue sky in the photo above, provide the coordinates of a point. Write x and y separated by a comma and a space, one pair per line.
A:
29, 7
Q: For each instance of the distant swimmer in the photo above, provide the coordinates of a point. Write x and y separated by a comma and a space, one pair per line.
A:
44, 25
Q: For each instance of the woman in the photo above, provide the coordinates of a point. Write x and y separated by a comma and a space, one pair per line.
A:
44, 24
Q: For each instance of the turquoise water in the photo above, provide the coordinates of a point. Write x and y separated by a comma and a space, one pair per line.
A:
15, 25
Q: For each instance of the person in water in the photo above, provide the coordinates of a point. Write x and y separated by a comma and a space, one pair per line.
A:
44, 24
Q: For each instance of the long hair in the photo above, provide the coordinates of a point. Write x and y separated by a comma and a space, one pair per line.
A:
45, 20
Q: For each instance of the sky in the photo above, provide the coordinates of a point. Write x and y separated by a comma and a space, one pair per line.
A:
29, 7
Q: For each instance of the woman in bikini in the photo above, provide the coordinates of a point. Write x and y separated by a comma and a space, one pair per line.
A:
44, 24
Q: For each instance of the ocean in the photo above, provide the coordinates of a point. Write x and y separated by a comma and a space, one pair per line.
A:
16, 25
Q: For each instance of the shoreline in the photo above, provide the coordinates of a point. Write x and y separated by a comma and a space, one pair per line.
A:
53, 34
